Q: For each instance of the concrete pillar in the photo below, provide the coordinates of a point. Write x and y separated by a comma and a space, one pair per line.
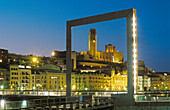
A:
96, 102
71, 106
112, 100
77, 105
90, 103
49, 107
43, 108
106, 101
101, 101
64, 106
57, 107
68, 60
84, 104
132, 89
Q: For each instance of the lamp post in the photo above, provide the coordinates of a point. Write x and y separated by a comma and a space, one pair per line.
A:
55, 77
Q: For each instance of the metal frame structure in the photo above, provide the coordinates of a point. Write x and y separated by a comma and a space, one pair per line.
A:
132, 58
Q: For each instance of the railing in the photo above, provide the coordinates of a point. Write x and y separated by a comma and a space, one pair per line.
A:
81, 100
153, 98
60, 103
59, 93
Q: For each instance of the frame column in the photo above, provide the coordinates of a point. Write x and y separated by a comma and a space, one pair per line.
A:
68, 60
132, 65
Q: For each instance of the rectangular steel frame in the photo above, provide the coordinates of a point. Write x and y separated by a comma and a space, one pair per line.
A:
132, 59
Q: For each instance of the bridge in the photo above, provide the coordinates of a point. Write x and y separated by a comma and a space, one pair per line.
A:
61, 102
81, 99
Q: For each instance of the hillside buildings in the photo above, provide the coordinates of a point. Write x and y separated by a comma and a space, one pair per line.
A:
91, 70
3, 58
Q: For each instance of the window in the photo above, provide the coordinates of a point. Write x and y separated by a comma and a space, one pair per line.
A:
38, 77
38, 81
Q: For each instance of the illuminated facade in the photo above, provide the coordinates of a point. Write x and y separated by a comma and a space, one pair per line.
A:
144, 83
110, 48
94, 80
143, 80
160, 81
89, 80
20, 77
49, 77
49, 80
109, 55
119, 81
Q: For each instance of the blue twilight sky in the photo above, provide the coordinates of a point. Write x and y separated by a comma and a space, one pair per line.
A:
39, 26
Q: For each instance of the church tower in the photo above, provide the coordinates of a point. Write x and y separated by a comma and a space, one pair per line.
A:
93, 42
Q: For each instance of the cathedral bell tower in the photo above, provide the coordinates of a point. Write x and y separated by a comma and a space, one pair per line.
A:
93, 42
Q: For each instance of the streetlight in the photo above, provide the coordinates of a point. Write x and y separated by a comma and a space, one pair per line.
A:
2, 87
53, 53
86, 88
34, 59
2, 104
24, 104
73, 87
35, 62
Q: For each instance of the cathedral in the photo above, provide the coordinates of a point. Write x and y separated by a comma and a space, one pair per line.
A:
109, 55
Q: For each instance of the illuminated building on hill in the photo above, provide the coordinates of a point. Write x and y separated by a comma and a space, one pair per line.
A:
109, 55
